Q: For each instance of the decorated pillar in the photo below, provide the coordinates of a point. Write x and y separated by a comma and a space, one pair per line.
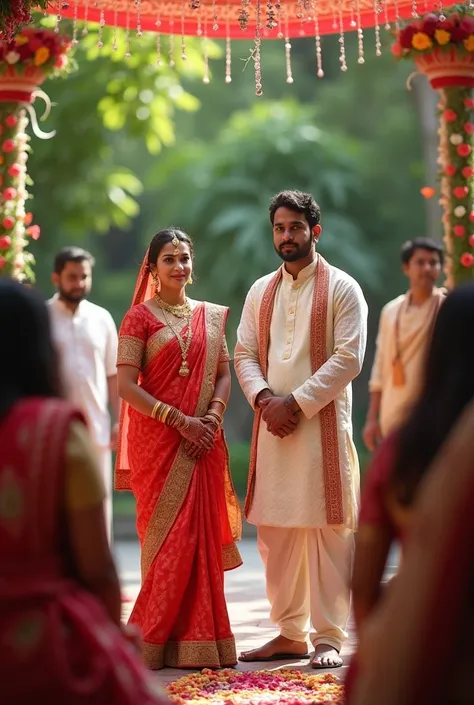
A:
25, 62
442, 47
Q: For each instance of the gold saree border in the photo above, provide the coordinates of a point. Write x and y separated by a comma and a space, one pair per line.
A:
190, 654
177, 483
328, 416
231, 557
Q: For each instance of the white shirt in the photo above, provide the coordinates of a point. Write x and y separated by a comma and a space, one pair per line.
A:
86, 341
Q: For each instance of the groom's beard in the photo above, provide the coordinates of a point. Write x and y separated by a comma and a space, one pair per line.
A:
296, 252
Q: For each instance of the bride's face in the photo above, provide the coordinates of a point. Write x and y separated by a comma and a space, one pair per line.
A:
174, 266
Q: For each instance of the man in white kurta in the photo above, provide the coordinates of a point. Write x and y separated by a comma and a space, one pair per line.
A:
403, 338
307, 557
86, 340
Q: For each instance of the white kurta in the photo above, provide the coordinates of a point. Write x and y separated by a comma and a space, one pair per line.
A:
415, 329
289, 486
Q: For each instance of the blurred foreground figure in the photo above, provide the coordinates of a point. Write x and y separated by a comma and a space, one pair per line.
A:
391, 487
61, 641
417, 647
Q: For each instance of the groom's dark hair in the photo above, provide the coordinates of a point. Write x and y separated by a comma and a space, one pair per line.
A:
299, 202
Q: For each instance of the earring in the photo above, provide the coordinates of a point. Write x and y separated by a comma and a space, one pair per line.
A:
156, 283
190, 279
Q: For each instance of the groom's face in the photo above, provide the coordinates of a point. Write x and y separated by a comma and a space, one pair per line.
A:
293, 238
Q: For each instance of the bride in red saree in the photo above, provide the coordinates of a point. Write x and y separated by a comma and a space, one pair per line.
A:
174, 381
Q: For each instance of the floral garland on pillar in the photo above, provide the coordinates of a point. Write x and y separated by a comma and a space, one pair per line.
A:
25, 62
14, 13
442, 46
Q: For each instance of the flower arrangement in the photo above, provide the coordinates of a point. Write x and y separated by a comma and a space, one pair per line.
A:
442, 47
26, 60
285, 687
14, 13
437, 31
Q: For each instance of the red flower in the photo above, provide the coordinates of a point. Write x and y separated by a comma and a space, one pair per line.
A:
469, 103
464, 150
14, 170
468, 172
461, 192
469, 128
471, 216
459, 230
406, 35
467, 260
3, 262
8, 222
11, 121
34, 231
28, 219
463, 29
471, 240
8, 146
61, 61
449, 115
450, 170
35, 43
5, 242
9, 194
430, 24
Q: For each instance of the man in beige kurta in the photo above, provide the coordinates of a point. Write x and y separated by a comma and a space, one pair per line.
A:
403, 337
301, 341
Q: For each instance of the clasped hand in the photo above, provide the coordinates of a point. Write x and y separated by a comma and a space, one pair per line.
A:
200, 435
280, 420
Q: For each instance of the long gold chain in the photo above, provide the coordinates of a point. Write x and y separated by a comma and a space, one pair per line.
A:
183, 344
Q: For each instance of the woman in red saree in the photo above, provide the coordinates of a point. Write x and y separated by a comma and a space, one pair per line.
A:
417, 647
61, 641
174, 380
404, 458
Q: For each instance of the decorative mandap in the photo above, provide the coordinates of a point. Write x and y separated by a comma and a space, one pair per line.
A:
439, 40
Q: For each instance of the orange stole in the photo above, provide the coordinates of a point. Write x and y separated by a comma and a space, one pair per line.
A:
327, 415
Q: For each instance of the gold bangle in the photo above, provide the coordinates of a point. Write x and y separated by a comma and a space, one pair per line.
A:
165, 413
155, 409
215, 415
220, 401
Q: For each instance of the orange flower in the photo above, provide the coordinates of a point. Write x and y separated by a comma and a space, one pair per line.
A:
41, 56
469, 42
442, 36
427, 191
20, 39
421, 41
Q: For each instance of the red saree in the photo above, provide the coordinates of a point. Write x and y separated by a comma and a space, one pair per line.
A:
417, 647
188, 516
57, 644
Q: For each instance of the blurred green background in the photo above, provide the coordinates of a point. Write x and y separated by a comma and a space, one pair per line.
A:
140, 147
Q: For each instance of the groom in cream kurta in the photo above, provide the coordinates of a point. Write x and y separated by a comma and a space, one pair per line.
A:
305, 545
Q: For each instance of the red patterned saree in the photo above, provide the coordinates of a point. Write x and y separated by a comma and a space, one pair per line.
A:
57, 644
188, 516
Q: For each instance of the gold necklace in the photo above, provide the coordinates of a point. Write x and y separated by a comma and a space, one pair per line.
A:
183, 344
178, 310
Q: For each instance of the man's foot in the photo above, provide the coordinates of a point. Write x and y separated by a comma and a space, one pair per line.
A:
278, 649
326, 656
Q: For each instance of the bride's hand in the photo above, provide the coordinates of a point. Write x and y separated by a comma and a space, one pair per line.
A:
198, 433
212, 422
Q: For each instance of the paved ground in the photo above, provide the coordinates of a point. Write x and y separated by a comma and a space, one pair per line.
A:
248, 607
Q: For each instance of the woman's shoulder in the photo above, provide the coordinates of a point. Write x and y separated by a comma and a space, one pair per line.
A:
212, 307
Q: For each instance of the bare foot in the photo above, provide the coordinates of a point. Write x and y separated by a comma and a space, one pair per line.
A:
326, 657
279, 648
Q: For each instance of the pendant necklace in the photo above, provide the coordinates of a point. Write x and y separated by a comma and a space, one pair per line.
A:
180, 311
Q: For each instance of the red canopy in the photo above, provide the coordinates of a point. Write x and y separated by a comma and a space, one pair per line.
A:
237, 19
